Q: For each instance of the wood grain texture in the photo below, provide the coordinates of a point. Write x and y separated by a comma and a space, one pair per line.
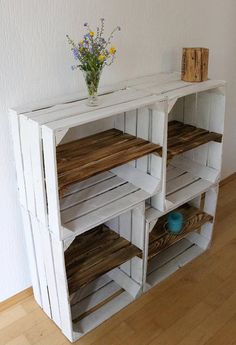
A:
195, 64
94, 253
160, 239
194, 306
182, 138
92, 155
16, 298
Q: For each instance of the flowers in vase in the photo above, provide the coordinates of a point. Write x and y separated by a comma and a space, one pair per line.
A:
93, 53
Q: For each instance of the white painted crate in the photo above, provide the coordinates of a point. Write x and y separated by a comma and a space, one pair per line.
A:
201, 105
187, 248
105, 296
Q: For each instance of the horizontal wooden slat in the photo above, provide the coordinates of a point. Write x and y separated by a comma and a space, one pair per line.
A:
96, 202
102, 113
91, 181
89, 156
182, 138
93, 308
106, 212
173, 172
80, 108
95, 253
189, 192
91, 192
161, 239
180, 182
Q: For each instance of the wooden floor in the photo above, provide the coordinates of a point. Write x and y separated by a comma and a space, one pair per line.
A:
195, 306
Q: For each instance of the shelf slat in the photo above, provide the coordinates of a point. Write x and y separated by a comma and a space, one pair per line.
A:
182, 138
95, 253
160, 239
97, 153
96, 200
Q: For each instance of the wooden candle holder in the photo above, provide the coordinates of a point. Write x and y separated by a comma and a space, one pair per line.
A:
195, 64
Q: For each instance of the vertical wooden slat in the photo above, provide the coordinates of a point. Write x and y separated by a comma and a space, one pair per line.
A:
36, 157
130, 126
27, 165
210, 204
41, 209
50, 166
15, 129
159, 166
16, 139
63, 294
142, 132
38, 245
125, 230
138, 237
25, 131
31, 256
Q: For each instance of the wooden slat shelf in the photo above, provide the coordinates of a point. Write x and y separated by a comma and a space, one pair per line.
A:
182, 138
95, 253
83, 158
160, 239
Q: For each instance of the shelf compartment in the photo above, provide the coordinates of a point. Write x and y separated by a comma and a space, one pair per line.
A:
96, 302
182, 138
171, 259
83, 158
185, 180
160, 239
96, 200
95, 253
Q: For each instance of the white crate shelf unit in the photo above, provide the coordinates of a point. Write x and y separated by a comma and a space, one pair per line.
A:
96, 185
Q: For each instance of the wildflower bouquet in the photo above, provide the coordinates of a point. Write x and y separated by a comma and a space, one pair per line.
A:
93, 53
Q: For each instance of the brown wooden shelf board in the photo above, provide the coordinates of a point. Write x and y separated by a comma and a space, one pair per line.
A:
83, 158
95, 253
160, 239
182, 138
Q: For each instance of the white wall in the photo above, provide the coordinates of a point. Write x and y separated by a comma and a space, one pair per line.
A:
35, 64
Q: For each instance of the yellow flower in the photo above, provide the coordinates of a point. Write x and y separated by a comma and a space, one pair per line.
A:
101, 57
91, 33
81, 41
112, 50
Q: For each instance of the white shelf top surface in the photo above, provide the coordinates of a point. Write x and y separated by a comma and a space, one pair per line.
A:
183, 185
97, 200
68, 111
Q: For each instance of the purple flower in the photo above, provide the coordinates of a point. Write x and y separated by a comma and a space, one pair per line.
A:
75, 53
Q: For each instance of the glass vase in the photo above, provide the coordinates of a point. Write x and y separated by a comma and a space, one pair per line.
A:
92, 79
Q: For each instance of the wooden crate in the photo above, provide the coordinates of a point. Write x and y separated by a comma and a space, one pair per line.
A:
81, 170
104, 268
193, 139
166, 253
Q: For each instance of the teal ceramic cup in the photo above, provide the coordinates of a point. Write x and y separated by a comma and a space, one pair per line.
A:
175, 222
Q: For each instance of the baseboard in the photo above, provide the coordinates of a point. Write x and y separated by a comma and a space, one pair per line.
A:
228, 179
16, 299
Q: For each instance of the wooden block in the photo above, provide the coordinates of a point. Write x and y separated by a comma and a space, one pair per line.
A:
195, 64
